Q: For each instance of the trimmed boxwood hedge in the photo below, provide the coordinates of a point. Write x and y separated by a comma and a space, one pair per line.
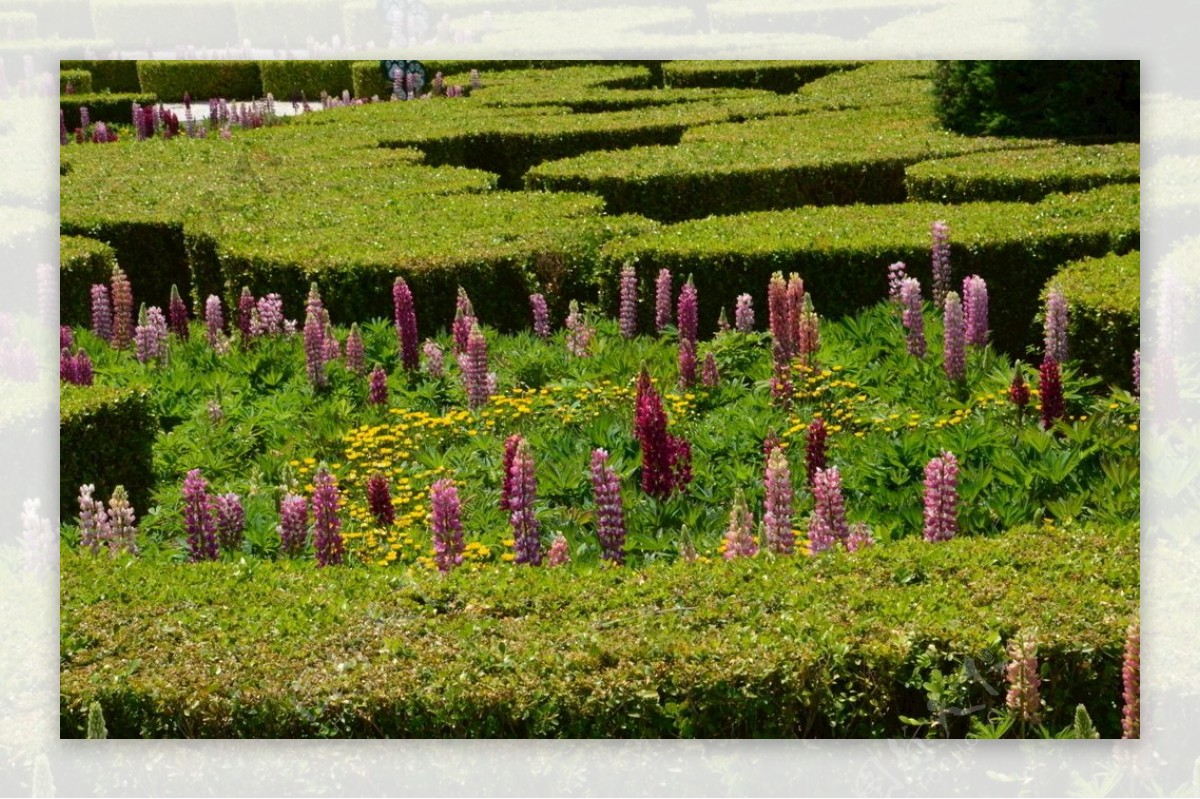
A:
834, 646
104, 107
1023, 175
782, 77
109, 76
1104, 319
229, 80
367, 79
80, 81
82, 263
106, 439
285, 79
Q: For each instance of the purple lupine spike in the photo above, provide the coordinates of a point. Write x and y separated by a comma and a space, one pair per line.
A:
156, 333
1050, 389
941, 498
84, 375
314, 339
93, 520
1018, 392
662, 301
777, 510
448, 547
527, 542
782, 333
377, 391
246, 306
1137, 373
687, 363
214, 322
144, 340
293, 524
1056, 326
650, 427
686, 312
828, 526
199, 518
473, 364
435, 358
541, 316
464, 319
405, 314
739, 540
896, 274
743, 314
629, 300
506, 487
231, 521
379, 500
610, 513
795, 309
63, 137
914, 320
269, 315
102, 313
954, 358
177, 314
66, 366
333, 350
975, 310
679, 459
66, 337
356, 356
860, 537
579, 332
722, 322
85, 117
1024, 694
709, 375
814, 451
122, 524
808, 333
940, 233
327, 527
559, 553
122, 308
1131, 683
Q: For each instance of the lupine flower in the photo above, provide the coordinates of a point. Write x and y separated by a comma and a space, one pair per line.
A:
1131, 679
941, 498
464, 319
743, 314
231, 520
814, 450
327, 527
1018, 392
808, 334
541, 316
177, 314
356, 356
66, 366
914, 321
650, 427
293, 524
662, 301
795, 306
739, 540
1051, 390
687, 363
896, 274
102, 313
777, 510
860, 537
215, 414
406, 324
686, 312
473, 363
63, 138
85, 117
941, 262
268, 319
781, 383
93, 520
122, 305
314, 339
379, 500
1024, 694
1137, 373
246, 305
83, 369
779, 320
610, 514
827, 527
435, 358
709, 375
722, 322
506, 487
954, 358
199, 518
150, 336
448, 544
1056, 326
579, 332
559, 554
214, 322
66, 337
122, 524
975, 310
527, 542
629, 288
377, 391
332, 350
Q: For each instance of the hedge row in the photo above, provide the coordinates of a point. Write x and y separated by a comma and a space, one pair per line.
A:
1023, 175
80, 81
230, 80
843, 252
287, 79
109, 76
83, 262
107, 108
106, 437
1104, 324
836, 646
782, 77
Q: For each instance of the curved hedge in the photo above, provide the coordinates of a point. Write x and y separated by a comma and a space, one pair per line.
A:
1104, 318
781, 77
1023, 175
82, 263
106, 438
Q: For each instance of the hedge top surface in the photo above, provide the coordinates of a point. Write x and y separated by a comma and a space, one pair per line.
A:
1107, 285
902, 86
73, 247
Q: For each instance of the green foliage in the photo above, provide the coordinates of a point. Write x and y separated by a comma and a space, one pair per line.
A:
109, 76
287, 79
151, 253
368, 80
80, 80
107, 108
106, 436
228, 80
782, 77
1062, 99
95, 722
899, 86
82, 263
1103, 324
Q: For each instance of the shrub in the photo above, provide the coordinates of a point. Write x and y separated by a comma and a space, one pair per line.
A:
109, 76
229, 80
107, 108
367, 78
82, 263
782, 77
106, 438
80, 80
151, 253
285, 79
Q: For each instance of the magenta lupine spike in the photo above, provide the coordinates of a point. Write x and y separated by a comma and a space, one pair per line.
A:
435, 358
808, 335
1056, 326
527, 541
102, 313
327, 526
896, 274
686, 313
333, 349
1018, 392
122, 308
246, 304
739, 539
975, 310
93, 520
379, 500
629, 299
650, 427
687, 363
541, 315
709, 375
83, 369
779, 318
662, 301
199, 518
473, 364
914, 320
377, 390
1137, 373
464, 320
66, 366
160, 334
579, 332
66, 337
559, 553
177, 314
1024, 684
231, 520
743, 314
777, 506
954, 356
610, 513
814, 449
940, 261
506, 487
122, 524
268, 320
406, 324
828, 526
214, 322
356, 355
795, 308
314, 339
679, 457
941, 498
1050, 389
860, 537
293, 524
447, 528
1131, 679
